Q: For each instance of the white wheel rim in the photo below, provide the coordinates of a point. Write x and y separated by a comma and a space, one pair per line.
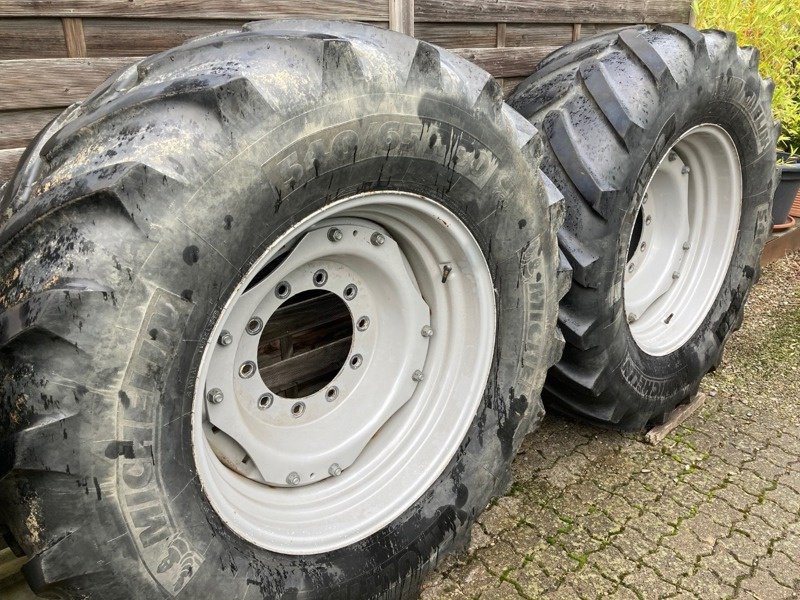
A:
370, 460
680, 251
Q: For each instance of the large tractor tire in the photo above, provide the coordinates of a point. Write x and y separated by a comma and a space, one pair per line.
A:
276, 309
662, 140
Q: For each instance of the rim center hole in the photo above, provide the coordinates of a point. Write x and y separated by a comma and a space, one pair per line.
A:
305, 343
636, 234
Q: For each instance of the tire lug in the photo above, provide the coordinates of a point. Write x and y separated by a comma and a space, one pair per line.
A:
427, 331
293, 478
335, 470
215, 396
335, 234
417, 376
377, 239
225, 338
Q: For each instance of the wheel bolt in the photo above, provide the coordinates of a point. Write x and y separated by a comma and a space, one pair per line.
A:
632, 317
427, 331
254, 326
648, 220
293, 478
675, 275
685, 170
686, 245
644, 199
630, 268
377, 239
335, 470
215, 396
335, 234
672, 156
643, 246
417, 375
225, 338
265, 401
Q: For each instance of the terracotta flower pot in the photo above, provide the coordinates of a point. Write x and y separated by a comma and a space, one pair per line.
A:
795, 210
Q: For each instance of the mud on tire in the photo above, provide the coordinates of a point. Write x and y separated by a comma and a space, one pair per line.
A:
610, 108
131, 219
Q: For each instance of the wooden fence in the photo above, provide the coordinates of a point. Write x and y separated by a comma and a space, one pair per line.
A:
55, 52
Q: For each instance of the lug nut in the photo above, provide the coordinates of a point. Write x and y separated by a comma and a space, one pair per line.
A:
630, 268
215, 396
643, 246
335, 470
685, 170
686, 245
644, 199
265, 401
675, 274
335, 234
225, 338
648, 220
427, 331
672, 156
377, 239
632, 317
417, 375
254, 326
293, 478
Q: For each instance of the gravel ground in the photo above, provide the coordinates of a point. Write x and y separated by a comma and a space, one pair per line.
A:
712, 512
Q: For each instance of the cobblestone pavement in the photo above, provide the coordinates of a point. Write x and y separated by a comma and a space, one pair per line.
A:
712, 512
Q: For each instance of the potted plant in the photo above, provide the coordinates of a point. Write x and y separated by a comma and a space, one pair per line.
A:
786, 192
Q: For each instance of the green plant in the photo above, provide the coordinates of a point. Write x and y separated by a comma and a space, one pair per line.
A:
772, 26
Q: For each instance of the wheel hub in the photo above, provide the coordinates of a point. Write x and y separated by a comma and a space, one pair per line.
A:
283, 434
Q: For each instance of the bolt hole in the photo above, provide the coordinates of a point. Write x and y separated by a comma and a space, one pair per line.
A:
363, 323
332, 393
356, 361
283, 289
265, 401
350, 292
298, 408
247, 369
320, 277
254, 326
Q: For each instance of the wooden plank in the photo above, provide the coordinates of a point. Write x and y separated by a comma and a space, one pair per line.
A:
49, 82
142, 37
538, 35
548, 11
657, 434
360, 10
509, 83
8, 162
576, 32
73, 33
401, 16
589, 29
506, 62
458, 35
19, 127
501, 35
31, 38
781, 244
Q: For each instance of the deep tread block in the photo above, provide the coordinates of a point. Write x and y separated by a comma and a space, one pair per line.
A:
648, 56
426, 68
596, 81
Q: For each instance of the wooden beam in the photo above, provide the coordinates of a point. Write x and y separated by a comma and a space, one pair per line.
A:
548, 11
73, 35
781, 244
360, 10
401, 16
8, 162
501, 35
19, 127
506, 62
32, 38
676, 418
51, 82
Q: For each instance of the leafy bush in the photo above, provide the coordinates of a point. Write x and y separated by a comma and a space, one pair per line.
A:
772, 26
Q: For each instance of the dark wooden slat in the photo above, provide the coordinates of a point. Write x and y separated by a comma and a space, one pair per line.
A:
362, 10
19, 127
589, 29
31, 38
142, 37
306, 366
509, 83
550, 11
8, 162
49, 82
506, 62
538, 35
458, 35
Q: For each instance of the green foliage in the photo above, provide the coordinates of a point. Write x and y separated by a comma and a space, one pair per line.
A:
772, 26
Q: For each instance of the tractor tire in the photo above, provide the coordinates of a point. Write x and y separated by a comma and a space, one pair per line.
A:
682, 117
139, 222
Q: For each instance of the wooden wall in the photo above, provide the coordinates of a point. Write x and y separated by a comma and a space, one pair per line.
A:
55, 52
